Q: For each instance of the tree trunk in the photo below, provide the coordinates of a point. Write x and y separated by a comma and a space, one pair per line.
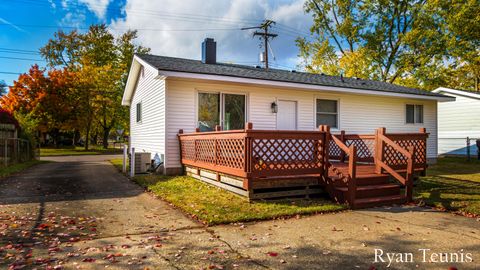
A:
87, 136
477, 88
106, 133
95, 138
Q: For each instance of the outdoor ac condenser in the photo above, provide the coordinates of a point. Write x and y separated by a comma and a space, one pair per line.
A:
142, 162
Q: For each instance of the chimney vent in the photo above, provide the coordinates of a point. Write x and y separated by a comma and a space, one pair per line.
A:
209, 51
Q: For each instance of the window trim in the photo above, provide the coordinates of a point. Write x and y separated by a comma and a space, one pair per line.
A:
137, 113
316, 112
414, 104
222, 103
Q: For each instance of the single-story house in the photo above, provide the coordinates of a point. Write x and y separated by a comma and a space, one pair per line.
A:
457, 121
166, 94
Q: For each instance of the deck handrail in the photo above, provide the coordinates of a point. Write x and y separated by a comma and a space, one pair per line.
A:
350, 179
409, 154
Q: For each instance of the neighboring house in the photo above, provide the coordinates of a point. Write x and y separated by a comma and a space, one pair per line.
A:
8, 125
457, 121
167, 94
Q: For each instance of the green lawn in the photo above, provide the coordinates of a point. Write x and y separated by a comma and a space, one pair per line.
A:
452, 184
74, 151
212, 205
11, 169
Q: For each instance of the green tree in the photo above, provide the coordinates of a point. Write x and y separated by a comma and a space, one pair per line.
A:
420, 43
102, 62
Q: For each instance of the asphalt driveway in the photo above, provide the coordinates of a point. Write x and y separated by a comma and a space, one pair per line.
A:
79, 212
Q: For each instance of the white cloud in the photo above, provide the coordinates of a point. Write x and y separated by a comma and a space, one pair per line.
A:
169, 16
99, 7
73, 19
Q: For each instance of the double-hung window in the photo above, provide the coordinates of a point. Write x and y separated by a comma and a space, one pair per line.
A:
226, 110
327, 112
414, 114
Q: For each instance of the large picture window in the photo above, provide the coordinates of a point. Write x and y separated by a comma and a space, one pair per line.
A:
227, 110
414, 114
327, 112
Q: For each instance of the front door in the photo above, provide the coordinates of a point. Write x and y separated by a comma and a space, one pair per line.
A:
287, 115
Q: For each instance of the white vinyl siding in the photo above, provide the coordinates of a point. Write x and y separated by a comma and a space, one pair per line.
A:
458, 120
356, 113
148, 134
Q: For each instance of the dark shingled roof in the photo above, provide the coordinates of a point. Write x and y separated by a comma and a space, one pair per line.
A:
241, 71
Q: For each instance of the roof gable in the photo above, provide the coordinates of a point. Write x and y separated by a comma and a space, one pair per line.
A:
456, 92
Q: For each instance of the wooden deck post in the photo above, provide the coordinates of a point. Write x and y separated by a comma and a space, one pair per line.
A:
424, 171
326, 158
409, 176
379, 148
247, 182
180, 132
218, 128
352, 171
342, 153
197, 129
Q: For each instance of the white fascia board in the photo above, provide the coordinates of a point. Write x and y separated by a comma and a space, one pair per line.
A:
296, 85
137, 62
456, 92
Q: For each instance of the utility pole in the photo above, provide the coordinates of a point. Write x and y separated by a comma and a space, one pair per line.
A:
265, 35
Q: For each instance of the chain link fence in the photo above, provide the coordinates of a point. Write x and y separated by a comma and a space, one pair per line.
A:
13, 150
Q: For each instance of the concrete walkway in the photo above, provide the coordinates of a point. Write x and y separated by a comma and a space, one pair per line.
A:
79, 212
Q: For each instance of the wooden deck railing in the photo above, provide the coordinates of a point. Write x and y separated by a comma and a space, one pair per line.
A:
350, 179
253, 153
257, 154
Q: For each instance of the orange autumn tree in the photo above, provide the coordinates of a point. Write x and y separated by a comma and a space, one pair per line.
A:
47, 98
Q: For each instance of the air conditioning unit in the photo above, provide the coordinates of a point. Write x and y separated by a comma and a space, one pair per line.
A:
142, 162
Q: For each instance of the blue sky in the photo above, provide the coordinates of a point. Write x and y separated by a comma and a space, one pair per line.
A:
168, 27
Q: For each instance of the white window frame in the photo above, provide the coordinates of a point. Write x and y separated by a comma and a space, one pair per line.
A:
316, 112
414, 113
222, 104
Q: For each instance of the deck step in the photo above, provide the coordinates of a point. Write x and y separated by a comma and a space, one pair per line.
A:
364, 180
371, 191
379, 201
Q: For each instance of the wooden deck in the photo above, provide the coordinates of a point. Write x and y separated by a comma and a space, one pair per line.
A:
361, 170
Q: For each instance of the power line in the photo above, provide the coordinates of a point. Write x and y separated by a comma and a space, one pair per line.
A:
18, 50
164, 15
117, 28
12, 73
18, 58
25, 53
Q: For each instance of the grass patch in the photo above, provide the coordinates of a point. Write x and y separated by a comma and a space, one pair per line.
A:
452, 184
11, 169
77, 150
118, 163
212, 205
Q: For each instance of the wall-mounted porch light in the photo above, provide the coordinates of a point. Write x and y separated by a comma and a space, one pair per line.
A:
274, 107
